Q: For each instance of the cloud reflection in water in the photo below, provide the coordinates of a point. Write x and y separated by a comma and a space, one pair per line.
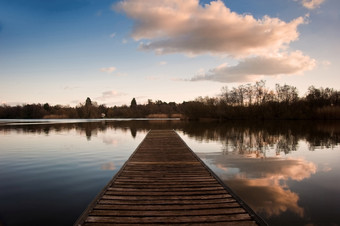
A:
262, 183
108, 166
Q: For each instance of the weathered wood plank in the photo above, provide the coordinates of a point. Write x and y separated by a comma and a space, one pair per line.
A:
164, 182
165, 202
165, 193
165, 189
169, 220
165, 185
168, 213
165, 197
199, 206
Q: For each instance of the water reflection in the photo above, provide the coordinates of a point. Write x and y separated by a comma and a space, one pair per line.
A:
263, 182
256, 138
276, 167
236, 136
108, 166
270, 168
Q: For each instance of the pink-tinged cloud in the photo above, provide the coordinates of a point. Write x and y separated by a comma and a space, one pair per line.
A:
108, 69
312, 4
110, 94
254, 68
185, 26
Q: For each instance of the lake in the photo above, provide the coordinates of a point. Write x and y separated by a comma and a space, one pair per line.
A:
287, 171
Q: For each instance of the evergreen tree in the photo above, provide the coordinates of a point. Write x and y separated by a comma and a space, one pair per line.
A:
88, 102
133, 103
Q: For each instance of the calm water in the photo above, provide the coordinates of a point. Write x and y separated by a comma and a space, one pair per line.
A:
288, 172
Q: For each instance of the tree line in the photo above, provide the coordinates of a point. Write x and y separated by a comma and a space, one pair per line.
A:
250, 101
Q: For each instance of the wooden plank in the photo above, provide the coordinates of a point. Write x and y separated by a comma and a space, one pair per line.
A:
157, 189
164, 182
165, 202
165, 193
165, 197
169, 220
172, 213
167, 207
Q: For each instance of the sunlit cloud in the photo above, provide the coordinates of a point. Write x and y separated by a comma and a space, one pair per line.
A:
163, 63
108, 69
253, 68
184, 26
312, 4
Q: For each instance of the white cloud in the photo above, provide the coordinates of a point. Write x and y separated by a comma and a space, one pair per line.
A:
110, 94
312, 4
253, 68
163, 63
108, 69
112, 35
184, 26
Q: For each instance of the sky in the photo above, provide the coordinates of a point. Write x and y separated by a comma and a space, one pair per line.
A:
63, 51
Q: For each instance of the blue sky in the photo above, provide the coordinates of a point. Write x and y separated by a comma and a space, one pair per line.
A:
62, 51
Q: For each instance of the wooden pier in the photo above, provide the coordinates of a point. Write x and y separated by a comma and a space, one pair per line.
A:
164, 182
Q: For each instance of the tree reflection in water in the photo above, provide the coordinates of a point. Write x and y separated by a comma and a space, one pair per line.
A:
263, 179
256, 161
239, 136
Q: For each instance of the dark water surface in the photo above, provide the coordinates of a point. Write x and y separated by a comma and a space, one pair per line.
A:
288, 172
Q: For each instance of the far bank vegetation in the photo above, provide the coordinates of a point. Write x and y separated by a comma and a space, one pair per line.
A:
250, 101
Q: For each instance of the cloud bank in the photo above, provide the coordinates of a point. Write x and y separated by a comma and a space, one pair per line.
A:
185, 26
253, 68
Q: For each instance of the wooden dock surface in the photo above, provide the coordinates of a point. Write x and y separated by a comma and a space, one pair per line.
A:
164, 182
